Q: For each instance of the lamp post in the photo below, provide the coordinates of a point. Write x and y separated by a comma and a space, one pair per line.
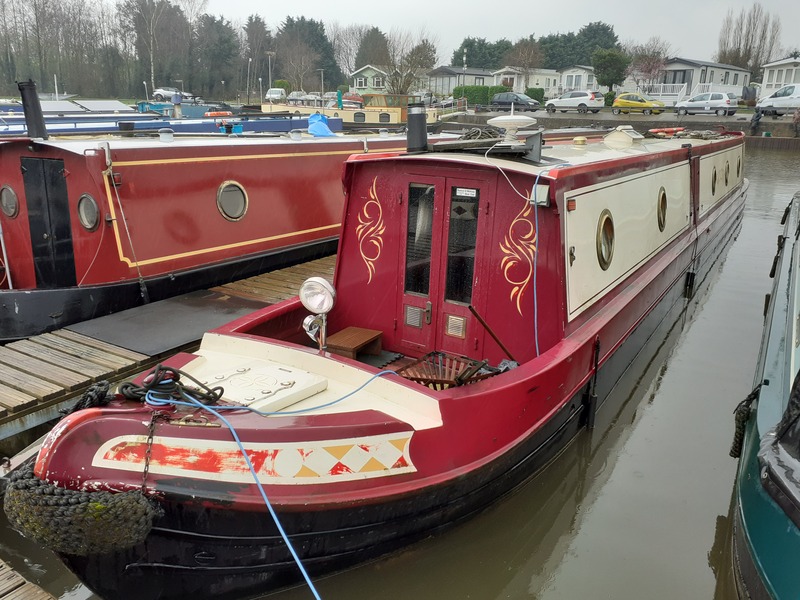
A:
260, 91
223, 90
321, 81
269, 58
146, 97
464, 82
249, 61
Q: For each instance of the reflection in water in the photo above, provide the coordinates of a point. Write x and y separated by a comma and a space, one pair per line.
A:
638, 508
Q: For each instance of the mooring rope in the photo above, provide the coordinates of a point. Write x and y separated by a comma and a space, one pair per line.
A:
741, 416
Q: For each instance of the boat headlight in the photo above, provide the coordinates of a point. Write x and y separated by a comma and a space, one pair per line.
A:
317, 295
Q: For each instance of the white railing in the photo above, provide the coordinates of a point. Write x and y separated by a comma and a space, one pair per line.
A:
668, 93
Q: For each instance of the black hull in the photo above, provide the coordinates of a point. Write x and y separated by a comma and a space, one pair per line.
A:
24, 313
215, 553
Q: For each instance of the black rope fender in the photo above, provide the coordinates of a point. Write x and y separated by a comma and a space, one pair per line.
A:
741, 416
77, 522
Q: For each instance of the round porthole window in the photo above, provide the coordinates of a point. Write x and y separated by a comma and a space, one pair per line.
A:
738, 167
661, 209
88, 212
714, 181
727, 172
231, 200
9, 202
605, 239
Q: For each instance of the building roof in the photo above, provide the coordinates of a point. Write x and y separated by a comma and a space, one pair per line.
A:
453, 71
378, 69
705, 63
784, 61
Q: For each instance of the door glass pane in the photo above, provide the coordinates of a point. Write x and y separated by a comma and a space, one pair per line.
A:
418, 242
461, 243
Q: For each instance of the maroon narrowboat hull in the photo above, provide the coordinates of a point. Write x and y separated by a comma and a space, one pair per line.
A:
398, 457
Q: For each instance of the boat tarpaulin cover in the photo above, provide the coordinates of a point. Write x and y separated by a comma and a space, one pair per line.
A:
779, 457
318, 126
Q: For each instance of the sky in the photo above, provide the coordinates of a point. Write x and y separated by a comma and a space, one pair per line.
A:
691, 27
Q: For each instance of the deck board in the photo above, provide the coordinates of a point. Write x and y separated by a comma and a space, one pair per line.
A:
13, 586
40, 375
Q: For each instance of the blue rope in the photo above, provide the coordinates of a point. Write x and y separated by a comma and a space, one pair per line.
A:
156, 398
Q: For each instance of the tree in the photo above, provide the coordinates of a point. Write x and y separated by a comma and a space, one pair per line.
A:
218, 50
373, 49
301, 31
481, 54
258, 45
648, 59
749, 40
346, 42
409, 54
609, 67
525, 54
595, 36
560, 50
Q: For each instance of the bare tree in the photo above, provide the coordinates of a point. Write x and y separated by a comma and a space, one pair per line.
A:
525, 54
345, 41
298, 59
648, 59
409, 56
750, 39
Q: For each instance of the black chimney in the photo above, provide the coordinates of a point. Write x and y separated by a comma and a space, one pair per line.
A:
33, 109
417, 137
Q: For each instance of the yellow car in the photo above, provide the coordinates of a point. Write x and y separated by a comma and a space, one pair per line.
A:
633, 102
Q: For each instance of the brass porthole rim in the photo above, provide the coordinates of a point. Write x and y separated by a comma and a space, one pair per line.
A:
661, 209
221, 188
604, 261
16, 201
91, 198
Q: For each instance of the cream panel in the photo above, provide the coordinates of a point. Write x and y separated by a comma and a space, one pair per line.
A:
720, 161
633, 204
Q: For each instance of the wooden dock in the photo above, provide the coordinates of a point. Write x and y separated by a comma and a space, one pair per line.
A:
46, 373
14, 587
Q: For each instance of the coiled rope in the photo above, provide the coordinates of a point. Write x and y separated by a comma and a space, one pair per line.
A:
741, 416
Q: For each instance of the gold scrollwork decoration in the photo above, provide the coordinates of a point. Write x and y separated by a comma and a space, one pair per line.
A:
519, 248
370, 230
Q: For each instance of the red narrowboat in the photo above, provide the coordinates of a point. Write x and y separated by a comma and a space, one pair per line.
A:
485, 302
92, 226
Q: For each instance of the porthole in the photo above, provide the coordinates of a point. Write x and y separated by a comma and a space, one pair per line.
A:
231, 200
714, 181
88, 212
661, 209
9, 202
727, 172
738, 167
605, 239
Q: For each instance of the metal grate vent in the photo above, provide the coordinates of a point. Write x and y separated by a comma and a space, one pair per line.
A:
414, 316
456, 326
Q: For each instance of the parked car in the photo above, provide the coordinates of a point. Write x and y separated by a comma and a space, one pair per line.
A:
635, 102
721, 103
781, 101
275, 95
504, 101
165, 93
580, 100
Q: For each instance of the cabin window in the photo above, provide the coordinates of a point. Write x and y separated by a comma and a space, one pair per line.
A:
359, 117
384, 118
735, 79
605, 239
479, 81
231, 200
418, 240
377, 81
461, 243
727, 172
9, 202
714, 181
88, 212
661, 209
361, 82
738, 167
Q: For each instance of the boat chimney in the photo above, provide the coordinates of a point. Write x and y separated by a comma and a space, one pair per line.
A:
33, 109
417, 136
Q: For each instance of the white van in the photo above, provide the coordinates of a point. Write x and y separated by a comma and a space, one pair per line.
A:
275, 95
781, 101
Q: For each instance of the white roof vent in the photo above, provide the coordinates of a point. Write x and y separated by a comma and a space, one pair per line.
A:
622, 137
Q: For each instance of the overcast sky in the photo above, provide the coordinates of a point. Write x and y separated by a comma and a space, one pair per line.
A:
690, 26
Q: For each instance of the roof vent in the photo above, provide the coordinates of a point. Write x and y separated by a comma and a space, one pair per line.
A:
622, 137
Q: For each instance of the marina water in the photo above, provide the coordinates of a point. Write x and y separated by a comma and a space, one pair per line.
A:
637, 508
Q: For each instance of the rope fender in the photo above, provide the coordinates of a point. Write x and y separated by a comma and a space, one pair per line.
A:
741, 416
77, 522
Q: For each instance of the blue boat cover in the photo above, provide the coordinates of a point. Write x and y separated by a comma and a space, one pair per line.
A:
318, 126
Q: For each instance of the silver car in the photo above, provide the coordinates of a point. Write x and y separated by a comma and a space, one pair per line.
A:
719, 103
